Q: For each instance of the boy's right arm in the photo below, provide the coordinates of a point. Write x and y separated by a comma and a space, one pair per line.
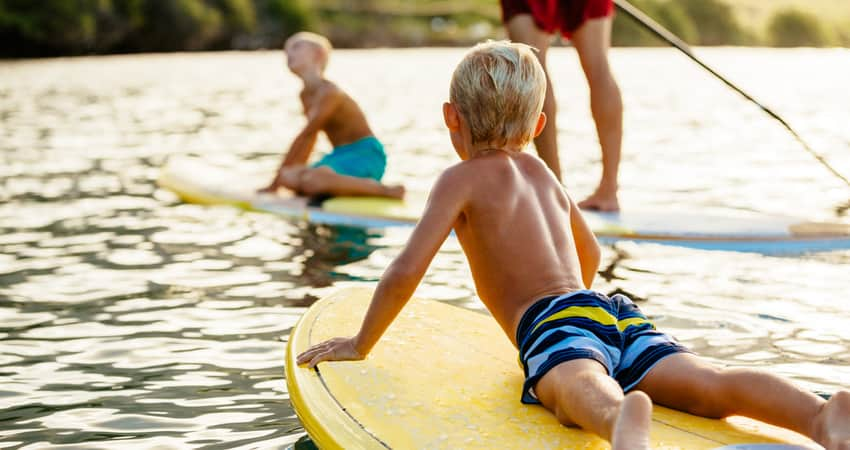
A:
318, 114
586, 245
445, 204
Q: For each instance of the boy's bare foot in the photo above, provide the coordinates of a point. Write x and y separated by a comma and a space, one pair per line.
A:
599, 201
631, 430
395, 191
831, 427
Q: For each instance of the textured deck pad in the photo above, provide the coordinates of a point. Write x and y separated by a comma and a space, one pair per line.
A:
446, 377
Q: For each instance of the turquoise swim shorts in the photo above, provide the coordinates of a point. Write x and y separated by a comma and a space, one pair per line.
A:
363, 158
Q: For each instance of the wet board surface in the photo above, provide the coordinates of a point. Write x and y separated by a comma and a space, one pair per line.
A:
447, 377
197, 181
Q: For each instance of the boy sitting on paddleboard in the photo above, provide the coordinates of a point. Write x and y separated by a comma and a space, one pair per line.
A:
594, 361
356, 164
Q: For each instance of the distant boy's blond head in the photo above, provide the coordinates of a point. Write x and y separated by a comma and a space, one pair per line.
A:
318, 43
499, 88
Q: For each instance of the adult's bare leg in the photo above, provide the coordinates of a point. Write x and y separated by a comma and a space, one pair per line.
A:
521, 28
592, 41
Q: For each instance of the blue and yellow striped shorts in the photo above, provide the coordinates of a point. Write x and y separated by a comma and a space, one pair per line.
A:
588, 325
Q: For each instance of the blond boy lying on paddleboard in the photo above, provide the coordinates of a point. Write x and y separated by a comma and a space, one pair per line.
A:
594, 361
356, 164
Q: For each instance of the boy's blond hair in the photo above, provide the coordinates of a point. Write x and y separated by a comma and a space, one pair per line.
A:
499, 88
319, 42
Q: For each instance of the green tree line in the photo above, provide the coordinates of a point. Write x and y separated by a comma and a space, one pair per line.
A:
63, 27
75, 27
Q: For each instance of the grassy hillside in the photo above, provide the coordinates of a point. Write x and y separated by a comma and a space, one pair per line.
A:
833, 14
757, 12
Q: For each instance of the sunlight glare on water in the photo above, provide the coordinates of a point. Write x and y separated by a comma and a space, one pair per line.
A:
130, 320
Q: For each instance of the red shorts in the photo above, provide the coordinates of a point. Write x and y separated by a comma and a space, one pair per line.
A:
565, 16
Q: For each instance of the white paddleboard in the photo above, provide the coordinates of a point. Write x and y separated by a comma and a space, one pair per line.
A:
197, 181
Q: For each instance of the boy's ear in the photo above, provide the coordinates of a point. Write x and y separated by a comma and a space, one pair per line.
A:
541, 123
451, 116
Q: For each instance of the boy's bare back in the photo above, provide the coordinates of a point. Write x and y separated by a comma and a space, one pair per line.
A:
512, 230
522, 235
335, 113
525, 240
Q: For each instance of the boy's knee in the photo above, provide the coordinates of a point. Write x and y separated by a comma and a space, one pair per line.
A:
313, 181
563, 400
289, 177
560, 409
309, 184
563, 417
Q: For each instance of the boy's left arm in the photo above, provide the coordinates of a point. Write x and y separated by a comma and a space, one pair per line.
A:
398, 283
318, 114
323, 108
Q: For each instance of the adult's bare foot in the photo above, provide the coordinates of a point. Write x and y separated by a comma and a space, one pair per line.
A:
599, 201
631, 430
832, 423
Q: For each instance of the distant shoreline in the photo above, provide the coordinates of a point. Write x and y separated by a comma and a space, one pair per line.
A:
104, 28
410, 48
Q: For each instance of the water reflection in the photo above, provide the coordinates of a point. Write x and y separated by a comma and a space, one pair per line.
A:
130, 320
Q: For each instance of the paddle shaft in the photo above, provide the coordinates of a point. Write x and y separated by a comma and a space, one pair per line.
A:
674, 40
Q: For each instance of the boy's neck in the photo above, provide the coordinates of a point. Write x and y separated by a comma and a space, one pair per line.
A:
485, 148
312, 78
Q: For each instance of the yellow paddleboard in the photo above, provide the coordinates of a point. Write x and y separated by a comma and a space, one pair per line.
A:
446, 377
195, 180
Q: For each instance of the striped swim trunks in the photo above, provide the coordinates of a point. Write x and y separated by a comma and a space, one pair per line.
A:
588, 325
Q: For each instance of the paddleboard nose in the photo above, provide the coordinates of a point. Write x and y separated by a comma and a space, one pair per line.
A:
762, 447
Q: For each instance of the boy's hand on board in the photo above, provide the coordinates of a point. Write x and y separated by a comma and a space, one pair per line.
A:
336, 349
270, 189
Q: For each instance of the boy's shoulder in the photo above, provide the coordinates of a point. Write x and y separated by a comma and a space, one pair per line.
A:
455, 181
468, 167
492, 179
329, 86
326, 90
455, 173
502, 172
496, 162
483, 171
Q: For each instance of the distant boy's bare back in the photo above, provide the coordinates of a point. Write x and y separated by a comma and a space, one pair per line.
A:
335, 113
516, 262
358, 160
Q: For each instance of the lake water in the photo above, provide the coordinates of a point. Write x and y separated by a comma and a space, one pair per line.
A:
130, 320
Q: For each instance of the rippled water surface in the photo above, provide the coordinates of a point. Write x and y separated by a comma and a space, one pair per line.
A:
128, 319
